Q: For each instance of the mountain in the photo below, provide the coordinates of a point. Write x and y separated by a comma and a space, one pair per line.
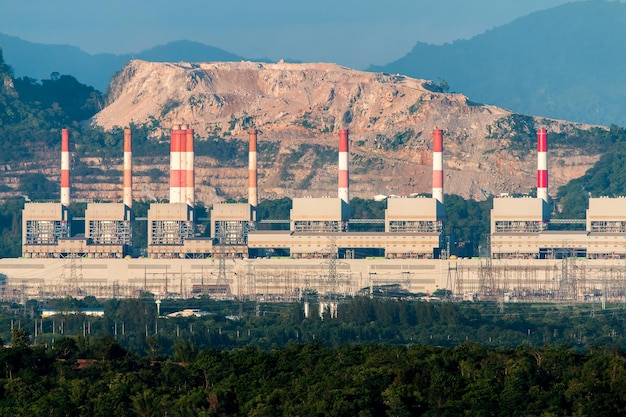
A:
299, 109
565, 63
38, 61
562, 63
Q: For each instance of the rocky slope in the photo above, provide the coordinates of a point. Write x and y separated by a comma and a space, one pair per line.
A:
299, 109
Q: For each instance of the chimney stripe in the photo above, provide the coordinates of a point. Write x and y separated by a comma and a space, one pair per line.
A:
182, 141
343, 167
175, 168
190, 182
128, 169
438, 165
65, 167
542, 164
252, 168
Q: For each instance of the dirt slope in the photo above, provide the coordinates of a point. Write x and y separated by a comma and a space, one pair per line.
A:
299, 106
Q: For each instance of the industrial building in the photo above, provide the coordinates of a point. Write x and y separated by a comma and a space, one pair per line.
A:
319, 227
530, 257
46, 230
231, 223
521, 228
171, 226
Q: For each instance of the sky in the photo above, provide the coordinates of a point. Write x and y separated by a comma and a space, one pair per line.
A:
354, 33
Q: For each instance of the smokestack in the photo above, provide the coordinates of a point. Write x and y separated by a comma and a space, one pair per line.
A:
542, 164
190, 182
65, 168
438, 165
182, 139
252, 177
344, 176
128, 169
175, 167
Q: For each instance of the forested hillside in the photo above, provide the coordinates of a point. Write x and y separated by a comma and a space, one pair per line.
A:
380, 357
311, 380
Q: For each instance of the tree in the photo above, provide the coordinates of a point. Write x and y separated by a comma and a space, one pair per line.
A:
37, 187
145, 403
185, 350
19, 338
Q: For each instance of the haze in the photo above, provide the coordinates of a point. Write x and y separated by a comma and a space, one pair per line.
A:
355, 33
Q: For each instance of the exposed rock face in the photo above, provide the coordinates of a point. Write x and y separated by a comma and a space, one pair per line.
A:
390, 118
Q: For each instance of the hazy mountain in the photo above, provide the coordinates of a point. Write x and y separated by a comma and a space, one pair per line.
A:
39, 61
566, 63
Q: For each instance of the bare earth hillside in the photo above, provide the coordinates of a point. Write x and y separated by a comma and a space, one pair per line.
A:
299, 109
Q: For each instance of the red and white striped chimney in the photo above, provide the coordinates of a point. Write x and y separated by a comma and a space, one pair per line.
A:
65, 168
438, 165
190, 181
182, 137
252, 165
175, 165
542, 164
344, 176
128, 169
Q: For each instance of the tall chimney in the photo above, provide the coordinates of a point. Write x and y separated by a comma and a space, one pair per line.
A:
128, 169
190, 182
252, 165
175, 168
344, 176
65, 168
438, 165
182, 140
542, 164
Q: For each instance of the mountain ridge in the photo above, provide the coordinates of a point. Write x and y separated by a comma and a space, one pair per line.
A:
562, 63
390, 119
97, 69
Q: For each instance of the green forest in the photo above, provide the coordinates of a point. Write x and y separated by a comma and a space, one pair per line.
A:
379, 357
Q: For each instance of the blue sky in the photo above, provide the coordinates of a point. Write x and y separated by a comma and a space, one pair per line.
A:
354, 33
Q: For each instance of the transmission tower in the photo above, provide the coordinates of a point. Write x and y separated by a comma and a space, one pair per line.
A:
331, 288
332, 266
221, 271
250, 281
74, 276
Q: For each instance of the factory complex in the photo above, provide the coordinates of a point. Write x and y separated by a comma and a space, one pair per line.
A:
529, 258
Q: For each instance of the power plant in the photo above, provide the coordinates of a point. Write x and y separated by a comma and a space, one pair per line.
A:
528, 259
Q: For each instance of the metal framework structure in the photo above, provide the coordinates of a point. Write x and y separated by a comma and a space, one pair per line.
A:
232, 232
415, 226
569, 280
320, 226
46, 232
171, 232
524, 226
608, 226
111, 232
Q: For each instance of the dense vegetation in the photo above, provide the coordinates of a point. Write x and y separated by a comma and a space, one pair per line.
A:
606, 178
543, 361
234, 324
311, 380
